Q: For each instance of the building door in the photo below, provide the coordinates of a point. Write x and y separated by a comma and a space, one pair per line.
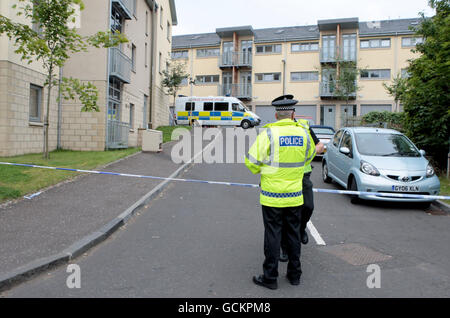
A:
228, 49
329, 47
327, 115
246, 49
349, 47
347, 112
226, 83
245, 86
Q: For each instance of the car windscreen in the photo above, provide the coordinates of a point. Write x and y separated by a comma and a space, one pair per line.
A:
385, 145
322, 131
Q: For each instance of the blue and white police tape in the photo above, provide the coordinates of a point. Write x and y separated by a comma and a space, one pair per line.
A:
233, 184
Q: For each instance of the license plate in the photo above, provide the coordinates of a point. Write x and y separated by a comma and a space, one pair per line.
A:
405, 188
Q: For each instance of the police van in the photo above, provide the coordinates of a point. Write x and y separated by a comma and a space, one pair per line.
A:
214, 111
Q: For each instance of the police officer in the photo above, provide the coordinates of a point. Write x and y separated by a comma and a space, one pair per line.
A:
280, 154
308, 197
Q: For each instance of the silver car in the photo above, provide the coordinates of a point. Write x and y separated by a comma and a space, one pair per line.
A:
378, 160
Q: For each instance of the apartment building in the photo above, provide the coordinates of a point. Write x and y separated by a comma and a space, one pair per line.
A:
128, 79
257, 65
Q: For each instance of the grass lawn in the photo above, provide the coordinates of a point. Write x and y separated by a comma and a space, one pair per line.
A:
19, 181
445, 187
167, 131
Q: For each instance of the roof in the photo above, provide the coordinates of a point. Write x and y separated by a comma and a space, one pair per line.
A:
372, 130
240, 30
298, 33
387, 27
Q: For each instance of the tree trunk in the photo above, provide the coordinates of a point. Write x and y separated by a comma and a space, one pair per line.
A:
46, 121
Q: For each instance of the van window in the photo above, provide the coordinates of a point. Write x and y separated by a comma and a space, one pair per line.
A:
207, 107
235, 107
190, 106
221, 106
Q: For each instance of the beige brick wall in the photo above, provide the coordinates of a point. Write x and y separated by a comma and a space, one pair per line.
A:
17, 135
84, 131
160, 110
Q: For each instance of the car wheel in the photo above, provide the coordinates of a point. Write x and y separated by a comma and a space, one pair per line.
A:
354, 199
325, 176
246, 124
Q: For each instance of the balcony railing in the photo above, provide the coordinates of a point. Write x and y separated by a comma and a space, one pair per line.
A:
243, 91
126, 7
328, 90
117, 134
120, 65
238, 59
348, 55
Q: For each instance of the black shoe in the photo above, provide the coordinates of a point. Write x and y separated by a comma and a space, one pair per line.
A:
304, 237
261, 282
283, 256
294, 282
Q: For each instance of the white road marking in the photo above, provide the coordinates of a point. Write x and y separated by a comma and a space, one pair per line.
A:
312, 229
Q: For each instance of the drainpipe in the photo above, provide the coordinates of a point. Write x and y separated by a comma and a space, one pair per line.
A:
58, 141
108, 57
284, 76
152, 63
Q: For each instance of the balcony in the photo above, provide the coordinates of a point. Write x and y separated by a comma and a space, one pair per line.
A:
241, 91
236, 59
119, 65
126, 7
329, 55
327, 90
336, 54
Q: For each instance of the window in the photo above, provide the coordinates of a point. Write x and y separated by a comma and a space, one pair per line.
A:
116, 21
304, 76
35, 103
337, 138
305, 47
207, 79
207, 107
146, 54
235, 107
133, 57
184, 81
266, 49
134, 8
347, 142
375, 43
115, 89
131, 116
376, 74
411, 41
180, 54
221, 107
405, 73
146, 23
268, 77
190, 106
208, 52
168, 31
36, 26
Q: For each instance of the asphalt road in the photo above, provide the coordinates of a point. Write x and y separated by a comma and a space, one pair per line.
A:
199, 240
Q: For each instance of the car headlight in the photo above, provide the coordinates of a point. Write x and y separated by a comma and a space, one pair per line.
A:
369, 169
430, 171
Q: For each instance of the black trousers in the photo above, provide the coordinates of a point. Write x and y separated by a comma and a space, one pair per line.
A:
307, 207
277, 221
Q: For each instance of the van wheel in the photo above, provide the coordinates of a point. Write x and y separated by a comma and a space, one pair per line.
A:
246, 124
354, 199
325, 176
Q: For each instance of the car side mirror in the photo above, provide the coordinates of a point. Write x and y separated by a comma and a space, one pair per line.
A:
422, 152
344, 150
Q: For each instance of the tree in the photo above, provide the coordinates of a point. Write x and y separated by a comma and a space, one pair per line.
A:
173, 77
51, 43
396, 90
427, 99
346, 85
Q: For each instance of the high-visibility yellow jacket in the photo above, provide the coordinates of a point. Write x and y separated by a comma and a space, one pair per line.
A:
305, 124
280, 154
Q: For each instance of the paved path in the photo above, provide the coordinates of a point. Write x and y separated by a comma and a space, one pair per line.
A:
207, 241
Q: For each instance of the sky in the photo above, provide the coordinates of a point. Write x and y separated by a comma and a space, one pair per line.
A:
204, 16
